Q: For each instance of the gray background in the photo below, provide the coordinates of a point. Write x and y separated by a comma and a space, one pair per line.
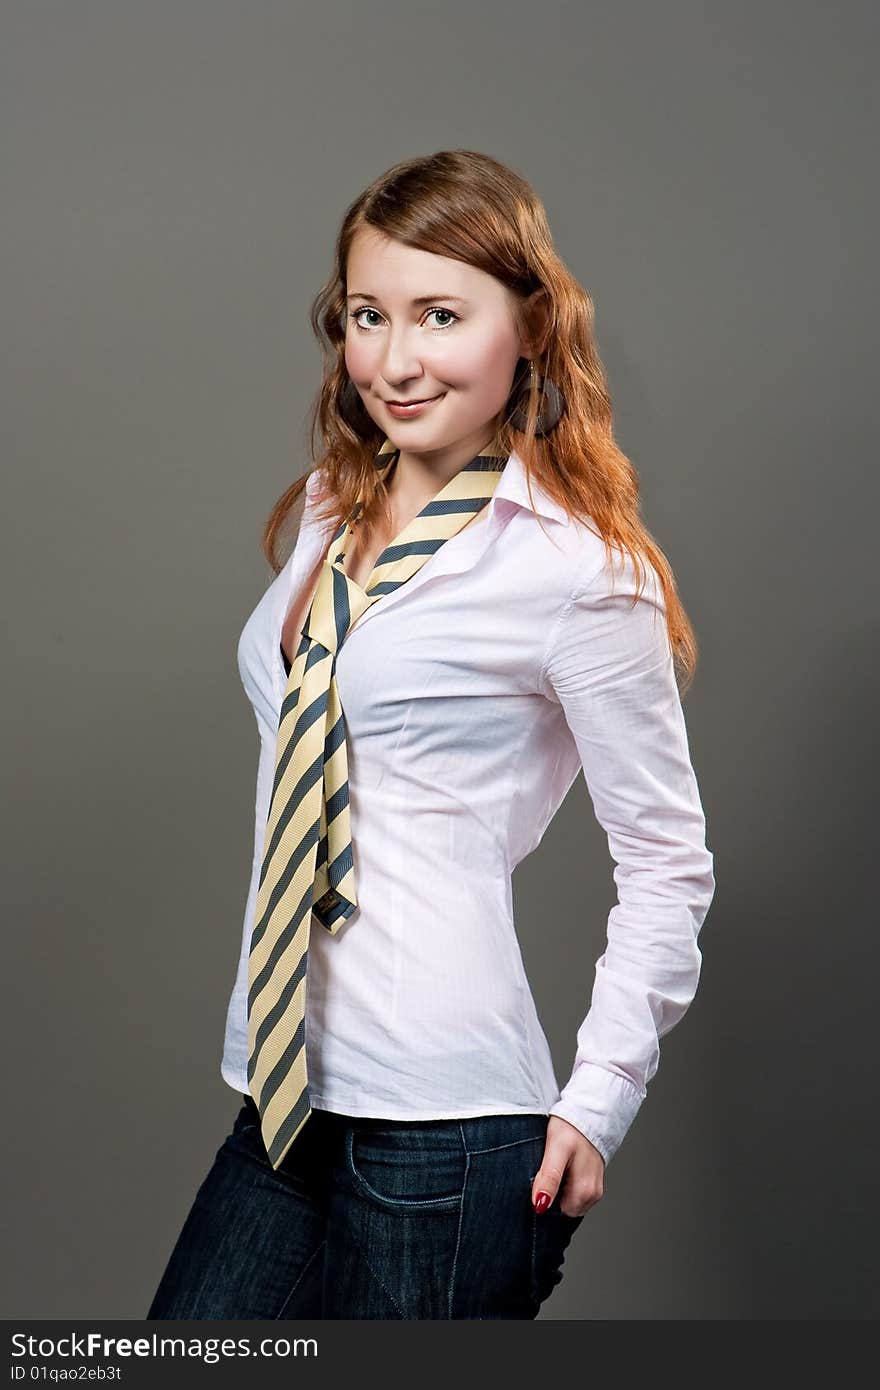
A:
174, 176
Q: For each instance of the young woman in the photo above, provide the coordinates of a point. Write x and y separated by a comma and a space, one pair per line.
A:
472, 613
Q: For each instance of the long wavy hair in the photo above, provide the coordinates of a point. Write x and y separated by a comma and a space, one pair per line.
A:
468, 206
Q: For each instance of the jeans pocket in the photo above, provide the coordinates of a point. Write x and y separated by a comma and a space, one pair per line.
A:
407, 1167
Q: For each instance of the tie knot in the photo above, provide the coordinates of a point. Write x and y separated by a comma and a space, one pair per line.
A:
337, 604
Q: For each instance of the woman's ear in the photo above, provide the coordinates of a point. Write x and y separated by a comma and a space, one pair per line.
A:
535, 323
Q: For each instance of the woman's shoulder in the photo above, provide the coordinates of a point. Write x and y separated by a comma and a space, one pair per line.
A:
567, 554
593, 572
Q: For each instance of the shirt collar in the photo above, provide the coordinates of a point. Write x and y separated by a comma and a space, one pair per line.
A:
513, 487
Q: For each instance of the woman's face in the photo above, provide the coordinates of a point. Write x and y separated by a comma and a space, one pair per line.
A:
419, 326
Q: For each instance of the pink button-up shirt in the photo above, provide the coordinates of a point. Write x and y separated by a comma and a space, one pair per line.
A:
473, 696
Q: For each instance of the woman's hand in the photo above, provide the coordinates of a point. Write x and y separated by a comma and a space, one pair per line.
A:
572, 1167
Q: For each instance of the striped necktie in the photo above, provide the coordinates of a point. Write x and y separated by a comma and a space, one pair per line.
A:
308, 861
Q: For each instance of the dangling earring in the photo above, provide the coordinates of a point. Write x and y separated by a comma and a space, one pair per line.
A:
550, 411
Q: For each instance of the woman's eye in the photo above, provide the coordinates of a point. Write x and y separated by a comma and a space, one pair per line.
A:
365, 327
358, 312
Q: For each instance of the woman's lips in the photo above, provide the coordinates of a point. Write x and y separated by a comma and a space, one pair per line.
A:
407, 409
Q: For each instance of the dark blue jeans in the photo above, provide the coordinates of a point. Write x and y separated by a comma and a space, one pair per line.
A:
370, 1218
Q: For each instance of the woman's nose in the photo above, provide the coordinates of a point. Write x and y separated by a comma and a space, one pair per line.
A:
401, 364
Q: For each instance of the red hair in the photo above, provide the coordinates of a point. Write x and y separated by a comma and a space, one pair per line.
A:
470, 207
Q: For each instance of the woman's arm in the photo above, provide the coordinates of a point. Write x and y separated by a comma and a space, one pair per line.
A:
609, 665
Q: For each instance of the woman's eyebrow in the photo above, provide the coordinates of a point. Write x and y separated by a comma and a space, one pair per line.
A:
423, 299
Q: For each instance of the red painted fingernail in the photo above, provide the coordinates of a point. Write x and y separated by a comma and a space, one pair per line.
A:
542, 1202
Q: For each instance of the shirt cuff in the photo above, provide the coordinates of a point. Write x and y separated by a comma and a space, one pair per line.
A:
601, 1104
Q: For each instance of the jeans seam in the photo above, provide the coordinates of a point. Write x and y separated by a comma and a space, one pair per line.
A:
454, 1270
534, 1280
301, 1276
379, 1281
512, 1145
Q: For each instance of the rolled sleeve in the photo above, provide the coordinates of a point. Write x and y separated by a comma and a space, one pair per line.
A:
610, 667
